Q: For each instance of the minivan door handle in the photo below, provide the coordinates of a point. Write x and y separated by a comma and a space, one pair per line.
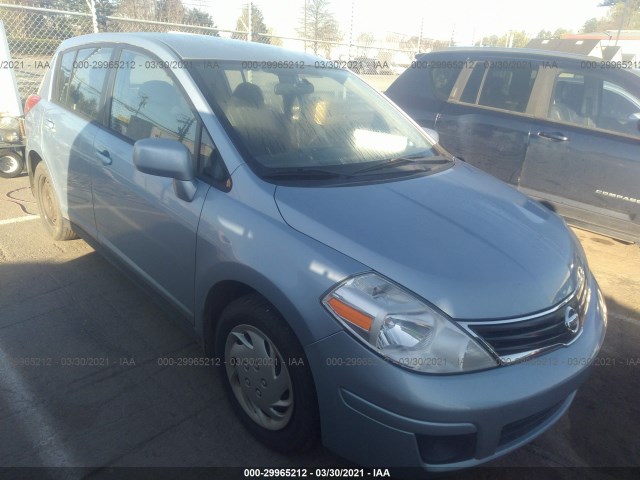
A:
50, 124
104, 156
557, 136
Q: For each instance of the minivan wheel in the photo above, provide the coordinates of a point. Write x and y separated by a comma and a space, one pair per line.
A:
52, 219
266, 375
11, 164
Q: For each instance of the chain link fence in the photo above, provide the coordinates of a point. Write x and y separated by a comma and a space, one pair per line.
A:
34, 33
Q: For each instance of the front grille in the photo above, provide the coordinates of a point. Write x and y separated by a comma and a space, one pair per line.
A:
514, 337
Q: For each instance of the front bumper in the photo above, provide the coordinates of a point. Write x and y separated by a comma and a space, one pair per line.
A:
380, 415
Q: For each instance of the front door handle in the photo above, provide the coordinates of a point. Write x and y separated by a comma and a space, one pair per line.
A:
104, 156
557, 136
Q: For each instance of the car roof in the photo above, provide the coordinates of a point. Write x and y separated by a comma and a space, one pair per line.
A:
511, 52
194, 46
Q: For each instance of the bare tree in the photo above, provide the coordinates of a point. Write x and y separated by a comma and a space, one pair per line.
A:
318, 23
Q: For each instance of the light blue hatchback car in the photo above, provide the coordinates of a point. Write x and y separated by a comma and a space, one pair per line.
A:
350, 278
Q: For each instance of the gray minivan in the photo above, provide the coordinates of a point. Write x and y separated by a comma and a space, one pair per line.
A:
349, 277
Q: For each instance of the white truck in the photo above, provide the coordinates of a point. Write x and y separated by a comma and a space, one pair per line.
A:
11, 125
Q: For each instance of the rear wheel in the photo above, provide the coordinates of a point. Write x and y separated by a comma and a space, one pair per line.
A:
266, 375
52, 219
11, 164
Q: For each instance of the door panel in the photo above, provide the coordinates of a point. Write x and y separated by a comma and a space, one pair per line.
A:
142, 221
585, 155
138, 216
487, 122
491, 140
588, 173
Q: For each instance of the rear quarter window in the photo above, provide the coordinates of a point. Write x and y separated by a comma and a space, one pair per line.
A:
90, 69
443, 77
64, 77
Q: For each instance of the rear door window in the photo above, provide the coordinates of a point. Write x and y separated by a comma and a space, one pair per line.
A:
505, 85
90, 69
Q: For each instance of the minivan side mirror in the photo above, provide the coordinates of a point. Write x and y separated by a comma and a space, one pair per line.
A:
432, 133
167, 158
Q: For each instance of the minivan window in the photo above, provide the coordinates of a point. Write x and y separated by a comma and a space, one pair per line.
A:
311, 121
64, 76
87, 81
147, 103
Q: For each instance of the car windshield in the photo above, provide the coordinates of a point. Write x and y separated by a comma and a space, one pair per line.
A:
313, 122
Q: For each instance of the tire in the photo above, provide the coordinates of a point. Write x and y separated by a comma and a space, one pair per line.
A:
266, 375
11, 164
58, 227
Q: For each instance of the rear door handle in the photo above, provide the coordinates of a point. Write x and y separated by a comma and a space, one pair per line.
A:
104, 156
557, 136
50, 124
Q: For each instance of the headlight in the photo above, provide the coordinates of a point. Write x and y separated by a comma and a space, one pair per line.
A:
402, 328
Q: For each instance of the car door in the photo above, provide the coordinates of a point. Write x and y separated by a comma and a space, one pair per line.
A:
138, 216
488, 116
70, 125
584, 151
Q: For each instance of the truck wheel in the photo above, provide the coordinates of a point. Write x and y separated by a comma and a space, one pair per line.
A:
52, 219
11, 164
266, 375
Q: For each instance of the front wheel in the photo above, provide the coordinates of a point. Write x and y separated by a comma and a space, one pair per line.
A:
11, 164
266, 375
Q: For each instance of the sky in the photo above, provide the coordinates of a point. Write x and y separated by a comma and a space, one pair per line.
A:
466, 20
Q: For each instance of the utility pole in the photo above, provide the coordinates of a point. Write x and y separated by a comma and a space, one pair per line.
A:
420, 37
622, 17
350, 32
94, 17
250, 26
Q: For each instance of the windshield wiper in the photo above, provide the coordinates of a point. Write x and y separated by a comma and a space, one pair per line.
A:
303, 172
409, 160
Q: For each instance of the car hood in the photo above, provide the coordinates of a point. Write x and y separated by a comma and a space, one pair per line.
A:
465, 242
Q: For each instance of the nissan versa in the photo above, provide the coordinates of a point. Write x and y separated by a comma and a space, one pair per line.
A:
352, 279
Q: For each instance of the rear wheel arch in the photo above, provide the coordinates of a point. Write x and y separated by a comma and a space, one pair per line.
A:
33, 159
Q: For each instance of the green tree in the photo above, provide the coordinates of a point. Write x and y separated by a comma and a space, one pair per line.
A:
620, 14
560, 32
195, 16
516, 39
257, 24
318, 23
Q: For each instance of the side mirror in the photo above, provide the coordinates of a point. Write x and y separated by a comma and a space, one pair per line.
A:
432, 133
167, 158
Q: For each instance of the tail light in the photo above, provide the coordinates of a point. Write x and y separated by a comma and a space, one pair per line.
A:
31, 102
